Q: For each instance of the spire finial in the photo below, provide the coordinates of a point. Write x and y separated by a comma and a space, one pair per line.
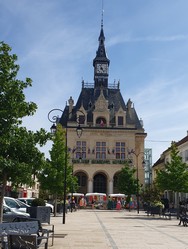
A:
102, 14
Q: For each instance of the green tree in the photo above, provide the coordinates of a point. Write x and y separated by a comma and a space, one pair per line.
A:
126, 183
151, 194
174, 176
20, 157
53, 175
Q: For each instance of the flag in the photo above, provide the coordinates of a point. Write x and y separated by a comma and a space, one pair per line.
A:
101, 123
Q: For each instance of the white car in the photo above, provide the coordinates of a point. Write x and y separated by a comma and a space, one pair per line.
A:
10, 214
28, 201
15, 204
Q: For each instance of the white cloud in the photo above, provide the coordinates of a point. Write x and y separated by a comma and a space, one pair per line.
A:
124, 39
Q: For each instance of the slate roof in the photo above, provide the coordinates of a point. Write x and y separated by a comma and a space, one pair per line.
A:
89, 96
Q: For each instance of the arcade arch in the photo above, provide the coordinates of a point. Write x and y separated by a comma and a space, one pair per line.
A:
100, 183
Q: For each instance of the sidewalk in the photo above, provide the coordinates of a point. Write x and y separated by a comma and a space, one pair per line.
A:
102, 229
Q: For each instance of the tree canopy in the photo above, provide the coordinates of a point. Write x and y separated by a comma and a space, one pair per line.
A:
52, 178
151, 194
20, 158
127, 184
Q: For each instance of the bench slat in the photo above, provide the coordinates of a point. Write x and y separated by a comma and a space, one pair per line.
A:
30, 227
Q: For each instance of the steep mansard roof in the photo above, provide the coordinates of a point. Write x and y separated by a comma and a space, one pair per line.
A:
88, 98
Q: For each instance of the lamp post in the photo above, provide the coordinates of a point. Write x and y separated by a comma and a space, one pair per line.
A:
55, 119
71, 203
137, 179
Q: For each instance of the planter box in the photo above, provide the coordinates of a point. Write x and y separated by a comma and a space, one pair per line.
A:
40, 213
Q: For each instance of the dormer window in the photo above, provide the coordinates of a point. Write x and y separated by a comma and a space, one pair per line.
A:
90, 105
81, 119
101, 122
120, 120
111, 106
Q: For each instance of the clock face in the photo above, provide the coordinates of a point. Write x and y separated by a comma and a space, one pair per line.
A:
102, 68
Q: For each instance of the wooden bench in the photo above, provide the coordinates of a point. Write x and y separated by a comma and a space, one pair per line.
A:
153, 210
183, 219
170, 212
23, 228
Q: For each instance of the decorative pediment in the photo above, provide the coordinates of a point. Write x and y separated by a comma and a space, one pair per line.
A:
121, 111
101, 103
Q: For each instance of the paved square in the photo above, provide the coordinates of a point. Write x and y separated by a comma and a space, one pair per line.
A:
102, 229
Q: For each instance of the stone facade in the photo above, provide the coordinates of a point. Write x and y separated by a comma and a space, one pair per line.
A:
91, 166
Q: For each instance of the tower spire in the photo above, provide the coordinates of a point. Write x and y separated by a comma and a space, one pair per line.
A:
102, 17
101, 61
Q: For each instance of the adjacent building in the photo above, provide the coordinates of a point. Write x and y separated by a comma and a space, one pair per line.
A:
165, 157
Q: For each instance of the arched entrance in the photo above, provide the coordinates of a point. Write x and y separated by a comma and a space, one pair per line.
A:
82, 182
100, 183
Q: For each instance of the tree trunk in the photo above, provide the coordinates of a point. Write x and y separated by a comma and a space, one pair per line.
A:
55, 206
3, 187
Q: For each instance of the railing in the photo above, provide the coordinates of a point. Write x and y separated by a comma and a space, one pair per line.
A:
91, 85
85, 161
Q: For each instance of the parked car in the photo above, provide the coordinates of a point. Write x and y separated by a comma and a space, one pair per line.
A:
28, 201
9, 214
15, 204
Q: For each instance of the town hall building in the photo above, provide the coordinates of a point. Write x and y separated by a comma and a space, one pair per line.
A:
111, 130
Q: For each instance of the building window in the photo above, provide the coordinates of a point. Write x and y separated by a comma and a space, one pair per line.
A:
120, 150
186, 155
81, 119
101, 150
181, 155
80, 150
120, 120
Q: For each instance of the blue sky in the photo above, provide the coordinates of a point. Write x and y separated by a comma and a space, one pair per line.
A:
146, 42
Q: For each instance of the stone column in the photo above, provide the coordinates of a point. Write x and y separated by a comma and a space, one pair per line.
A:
110, 186
90, 185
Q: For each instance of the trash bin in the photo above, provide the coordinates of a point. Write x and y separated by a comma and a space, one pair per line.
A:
59, 207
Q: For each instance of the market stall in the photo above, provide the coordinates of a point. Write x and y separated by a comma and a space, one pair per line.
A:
96, 200
116, 201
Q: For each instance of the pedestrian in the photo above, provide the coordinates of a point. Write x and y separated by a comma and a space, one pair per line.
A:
118, 204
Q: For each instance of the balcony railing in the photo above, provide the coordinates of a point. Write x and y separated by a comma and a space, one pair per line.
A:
92, 85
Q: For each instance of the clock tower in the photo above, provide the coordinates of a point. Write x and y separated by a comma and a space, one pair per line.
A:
101, 63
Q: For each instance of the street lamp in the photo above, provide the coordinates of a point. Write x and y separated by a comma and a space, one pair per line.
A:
137, 184
55, 119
